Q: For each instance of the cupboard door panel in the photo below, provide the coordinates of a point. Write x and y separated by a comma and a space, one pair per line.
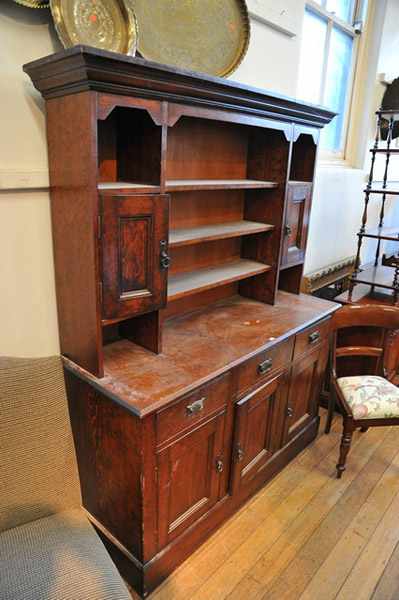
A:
299, 197
133, 229
189, 475
134, 236
259, 429
306, 380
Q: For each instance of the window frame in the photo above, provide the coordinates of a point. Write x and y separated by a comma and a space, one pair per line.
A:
354, 30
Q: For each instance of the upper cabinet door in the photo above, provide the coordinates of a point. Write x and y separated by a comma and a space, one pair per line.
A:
134, 254
299, 197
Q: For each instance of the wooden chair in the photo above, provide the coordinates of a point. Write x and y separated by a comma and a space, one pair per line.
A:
365, 400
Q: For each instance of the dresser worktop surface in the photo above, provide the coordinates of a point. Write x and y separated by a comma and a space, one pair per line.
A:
200, 346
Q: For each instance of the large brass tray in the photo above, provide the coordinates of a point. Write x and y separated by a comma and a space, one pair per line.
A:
210, 36
107, 24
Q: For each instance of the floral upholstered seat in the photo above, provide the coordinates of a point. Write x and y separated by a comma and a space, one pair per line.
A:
370, 397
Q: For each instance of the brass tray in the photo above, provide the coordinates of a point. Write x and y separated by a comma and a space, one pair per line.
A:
210, 36
107, 24
34, 3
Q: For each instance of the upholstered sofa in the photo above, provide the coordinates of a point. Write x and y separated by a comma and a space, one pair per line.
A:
48, 549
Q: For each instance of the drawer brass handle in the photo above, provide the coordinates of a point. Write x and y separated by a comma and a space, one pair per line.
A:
195, 407
314, 337
290, 411
219, 466
265, 366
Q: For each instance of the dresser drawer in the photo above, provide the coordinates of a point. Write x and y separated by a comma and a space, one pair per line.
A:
263, 364
311, 337
193, 408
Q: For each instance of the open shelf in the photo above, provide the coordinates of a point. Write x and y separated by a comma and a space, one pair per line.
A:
184, 284
183, 185
220, 231
377, 276
382, 233
303, 159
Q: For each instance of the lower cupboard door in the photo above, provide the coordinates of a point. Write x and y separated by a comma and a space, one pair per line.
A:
259, 429
189, 478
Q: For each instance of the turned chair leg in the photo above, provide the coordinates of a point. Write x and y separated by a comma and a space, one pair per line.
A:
345, 446
330, 411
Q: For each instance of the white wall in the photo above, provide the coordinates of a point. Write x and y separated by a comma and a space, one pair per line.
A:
272, 60
28, 322
388, 62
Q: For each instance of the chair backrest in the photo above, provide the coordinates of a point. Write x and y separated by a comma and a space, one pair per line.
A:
38, 471
382, 317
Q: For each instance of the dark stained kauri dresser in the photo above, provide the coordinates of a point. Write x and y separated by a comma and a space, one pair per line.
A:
180, 208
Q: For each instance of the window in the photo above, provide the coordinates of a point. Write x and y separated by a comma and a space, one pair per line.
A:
328, 54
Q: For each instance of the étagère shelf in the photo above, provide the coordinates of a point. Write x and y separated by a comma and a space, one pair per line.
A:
384, 274
180, 207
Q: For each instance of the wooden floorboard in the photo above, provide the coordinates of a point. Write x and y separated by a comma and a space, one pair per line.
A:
307, 535
387, 587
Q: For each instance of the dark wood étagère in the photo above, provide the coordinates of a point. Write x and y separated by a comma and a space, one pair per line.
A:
180, 210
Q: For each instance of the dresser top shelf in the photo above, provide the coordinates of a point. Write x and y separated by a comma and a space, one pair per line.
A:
200, 346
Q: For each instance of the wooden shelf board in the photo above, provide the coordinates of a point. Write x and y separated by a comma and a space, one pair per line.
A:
291, 265
181, 185
219, 231
192, 282
113, 186
300, 182
383, 233
377, 276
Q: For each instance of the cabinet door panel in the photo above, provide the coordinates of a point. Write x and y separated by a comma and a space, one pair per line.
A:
189, 474
133, 229
306, 380
296, 222
259, 429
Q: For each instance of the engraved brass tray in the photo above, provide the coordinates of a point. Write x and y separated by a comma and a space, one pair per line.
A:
210, 36
34, 3
106, 24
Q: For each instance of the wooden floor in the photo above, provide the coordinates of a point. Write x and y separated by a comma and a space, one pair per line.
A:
307, 535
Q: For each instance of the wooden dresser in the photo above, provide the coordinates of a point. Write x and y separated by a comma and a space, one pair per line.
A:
180, 209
